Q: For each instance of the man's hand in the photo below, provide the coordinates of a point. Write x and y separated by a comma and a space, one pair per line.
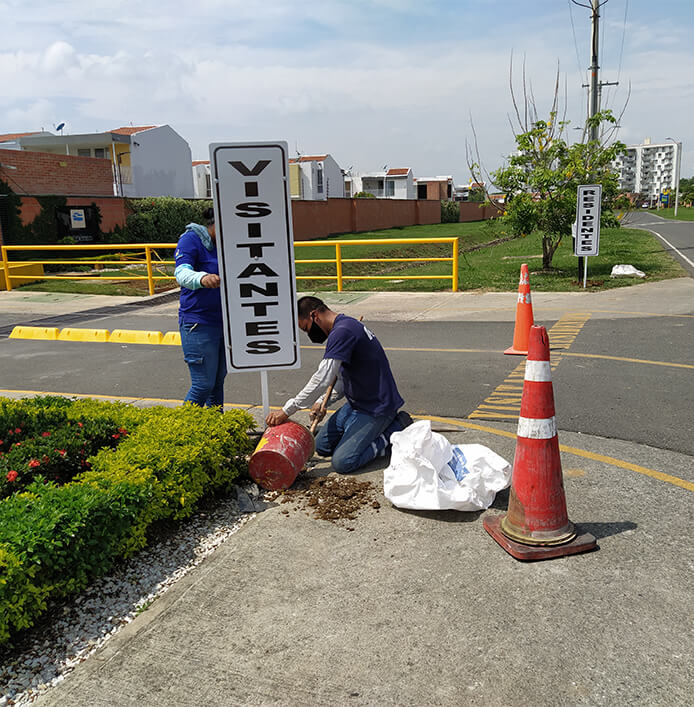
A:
316, 413
276, 417
210, 281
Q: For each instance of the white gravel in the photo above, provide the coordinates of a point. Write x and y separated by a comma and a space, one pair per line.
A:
44, 655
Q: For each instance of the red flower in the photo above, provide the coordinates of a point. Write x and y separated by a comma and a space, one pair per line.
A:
122, 430
17, 444
34, 463
61, 452
12, 475
0, 441
79, 424
18, 430
45, 434
115, 436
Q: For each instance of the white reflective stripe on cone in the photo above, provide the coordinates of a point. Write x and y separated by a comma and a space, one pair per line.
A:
537, 429
538, 371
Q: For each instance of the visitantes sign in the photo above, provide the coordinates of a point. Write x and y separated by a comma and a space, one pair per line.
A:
255, 245
587, 236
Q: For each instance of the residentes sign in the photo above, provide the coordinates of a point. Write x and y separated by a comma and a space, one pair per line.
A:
255, 245
588, 207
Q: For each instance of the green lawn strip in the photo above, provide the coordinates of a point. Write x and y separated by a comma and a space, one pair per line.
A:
57, 537
684, 213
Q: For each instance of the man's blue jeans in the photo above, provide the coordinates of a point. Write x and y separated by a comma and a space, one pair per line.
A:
203, 351
349, 436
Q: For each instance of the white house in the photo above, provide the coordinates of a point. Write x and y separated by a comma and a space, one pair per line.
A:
396, 183
149, 160
315, 177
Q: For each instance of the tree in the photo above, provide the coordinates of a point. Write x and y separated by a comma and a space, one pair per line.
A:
541, 179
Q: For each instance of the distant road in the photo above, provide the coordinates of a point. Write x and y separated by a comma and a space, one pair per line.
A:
677, 236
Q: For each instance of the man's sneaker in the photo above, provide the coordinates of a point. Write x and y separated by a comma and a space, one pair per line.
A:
404, 419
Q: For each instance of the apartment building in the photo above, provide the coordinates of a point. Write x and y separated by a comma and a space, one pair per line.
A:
649, 169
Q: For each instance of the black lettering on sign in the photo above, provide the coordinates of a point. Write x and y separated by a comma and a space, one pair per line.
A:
261, 328
255, 250
254, 230
260, 165
259, 308
267, 346
258, 269
251, 188
247, 290
253, 209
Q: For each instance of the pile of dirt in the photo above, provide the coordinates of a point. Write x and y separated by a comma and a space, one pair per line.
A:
333, 498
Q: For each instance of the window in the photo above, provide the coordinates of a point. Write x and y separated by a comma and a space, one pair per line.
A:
100, 152
84, 152
208, 186
390, 187
319, 179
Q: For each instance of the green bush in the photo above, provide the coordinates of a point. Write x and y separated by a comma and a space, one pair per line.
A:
450, 211
364, 195
55, 538
162, 219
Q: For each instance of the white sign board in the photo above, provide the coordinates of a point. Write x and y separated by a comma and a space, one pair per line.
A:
587, 236
255, 246
77, 218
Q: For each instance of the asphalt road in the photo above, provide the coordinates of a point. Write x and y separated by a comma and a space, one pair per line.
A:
627, 379
677, 236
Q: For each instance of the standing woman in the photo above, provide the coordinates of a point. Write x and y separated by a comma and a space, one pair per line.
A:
200, 312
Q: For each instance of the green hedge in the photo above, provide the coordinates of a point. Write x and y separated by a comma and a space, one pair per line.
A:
54, 539
162, 219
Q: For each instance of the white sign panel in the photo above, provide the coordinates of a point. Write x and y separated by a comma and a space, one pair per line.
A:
77, 218
587, 236
255, 246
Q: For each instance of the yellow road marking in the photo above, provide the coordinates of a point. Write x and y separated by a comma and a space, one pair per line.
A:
563, 353
585, 454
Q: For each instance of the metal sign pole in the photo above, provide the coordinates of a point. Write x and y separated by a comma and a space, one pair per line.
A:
585, 271
264, 393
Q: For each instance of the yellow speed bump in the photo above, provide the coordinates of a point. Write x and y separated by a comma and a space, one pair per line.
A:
34, 332
172, 338
135, 336
96, 335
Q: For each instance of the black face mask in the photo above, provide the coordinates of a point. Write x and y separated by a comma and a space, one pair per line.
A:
316, 334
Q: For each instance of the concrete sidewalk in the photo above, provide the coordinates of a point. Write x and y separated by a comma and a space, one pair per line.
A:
424, 608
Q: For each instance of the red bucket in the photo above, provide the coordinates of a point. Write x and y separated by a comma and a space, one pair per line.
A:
281, 454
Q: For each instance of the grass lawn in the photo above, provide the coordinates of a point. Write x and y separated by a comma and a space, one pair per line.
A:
684, 213
495, 266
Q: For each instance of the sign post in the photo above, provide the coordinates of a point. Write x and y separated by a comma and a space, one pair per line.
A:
587, 240
255, 245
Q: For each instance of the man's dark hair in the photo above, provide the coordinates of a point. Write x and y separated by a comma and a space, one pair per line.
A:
309, 304
208, 216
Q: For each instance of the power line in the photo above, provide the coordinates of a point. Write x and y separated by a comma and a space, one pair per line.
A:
573, 30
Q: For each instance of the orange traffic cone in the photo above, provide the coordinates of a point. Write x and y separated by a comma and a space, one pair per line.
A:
537, 526
524, 315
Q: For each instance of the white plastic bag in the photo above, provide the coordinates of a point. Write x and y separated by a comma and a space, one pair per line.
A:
427, 473
626, 271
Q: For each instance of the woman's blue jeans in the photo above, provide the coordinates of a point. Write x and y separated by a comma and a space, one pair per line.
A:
203, 351
348, 436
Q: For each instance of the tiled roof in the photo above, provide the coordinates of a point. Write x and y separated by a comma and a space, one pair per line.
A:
308, 158
131, 130
397, 171
6, 137
197, 162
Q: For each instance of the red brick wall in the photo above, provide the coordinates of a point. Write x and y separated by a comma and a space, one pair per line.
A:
114, 210
318, 219
44, 173
475, 211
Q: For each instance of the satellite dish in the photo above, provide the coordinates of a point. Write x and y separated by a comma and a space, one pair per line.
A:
60, 126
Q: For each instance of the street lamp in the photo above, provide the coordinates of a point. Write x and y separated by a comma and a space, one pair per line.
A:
678, 149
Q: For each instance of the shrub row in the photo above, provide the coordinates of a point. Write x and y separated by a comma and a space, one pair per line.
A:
54, 539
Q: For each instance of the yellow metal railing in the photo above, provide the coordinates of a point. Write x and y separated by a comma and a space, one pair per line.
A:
339, 259
148, 249
149, 258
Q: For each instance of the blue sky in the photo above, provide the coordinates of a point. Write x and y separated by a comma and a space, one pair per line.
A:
372, 82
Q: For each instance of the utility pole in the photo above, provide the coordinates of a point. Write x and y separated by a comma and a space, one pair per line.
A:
595, 85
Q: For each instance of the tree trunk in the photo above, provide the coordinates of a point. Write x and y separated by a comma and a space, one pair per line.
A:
548, 247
